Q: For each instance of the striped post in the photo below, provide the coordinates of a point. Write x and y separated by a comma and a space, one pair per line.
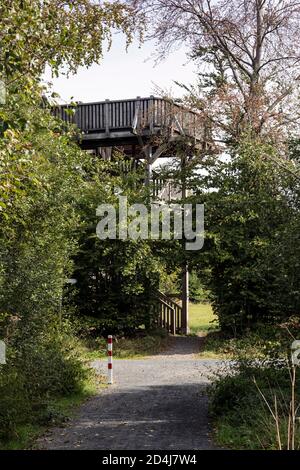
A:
109, 356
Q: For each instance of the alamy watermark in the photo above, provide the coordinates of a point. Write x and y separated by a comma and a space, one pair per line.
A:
160, 222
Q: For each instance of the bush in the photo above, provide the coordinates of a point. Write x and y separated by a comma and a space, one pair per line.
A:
116, 279
40, 370
242, 417
250, 260
44, 175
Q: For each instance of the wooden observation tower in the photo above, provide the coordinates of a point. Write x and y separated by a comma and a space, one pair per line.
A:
144, 129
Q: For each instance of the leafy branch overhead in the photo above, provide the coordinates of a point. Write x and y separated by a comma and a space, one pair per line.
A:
248, 54
62, 34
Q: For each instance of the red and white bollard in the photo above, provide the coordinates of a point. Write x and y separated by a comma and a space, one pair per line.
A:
109, 356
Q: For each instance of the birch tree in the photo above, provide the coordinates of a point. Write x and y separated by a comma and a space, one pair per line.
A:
248, 53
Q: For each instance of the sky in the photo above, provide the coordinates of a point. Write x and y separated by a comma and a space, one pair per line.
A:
126, 75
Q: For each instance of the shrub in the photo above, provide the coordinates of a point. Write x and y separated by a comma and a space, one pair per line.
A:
239, 406
41, 369
44, 175
250, 258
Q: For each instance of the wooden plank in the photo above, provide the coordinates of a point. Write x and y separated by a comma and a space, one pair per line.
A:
94, 116
161, 149
112, 135
179, 125
154, 113
173, 322
151, 114
136, 119
106, 117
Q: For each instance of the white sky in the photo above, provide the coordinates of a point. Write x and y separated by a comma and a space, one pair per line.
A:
126, 75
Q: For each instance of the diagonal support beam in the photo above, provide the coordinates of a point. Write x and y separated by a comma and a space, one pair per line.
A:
135, 122
179, 127
161, 149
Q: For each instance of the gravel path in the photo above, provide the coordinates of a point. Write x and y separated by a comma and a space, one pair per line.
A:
155, 403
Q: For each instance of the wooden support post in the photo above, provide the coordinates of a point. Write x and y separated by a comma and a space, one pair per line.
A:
106, 117
185, 269
148, 168
173, 322
161, 149
185, 299
136, 119
151, 114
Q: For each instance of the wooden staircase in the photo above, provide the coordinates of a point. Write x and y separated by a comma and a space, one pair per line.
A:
169, 314
164, 190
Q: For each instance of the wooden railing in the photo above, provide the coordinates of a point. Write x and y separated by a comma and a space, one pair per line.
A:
169, 314
140, 113
165, 189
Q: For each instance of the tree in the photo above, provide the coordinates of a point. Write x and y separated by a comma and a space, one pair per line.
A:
35, 33
248, 53
116, 279
68, 34
250, 260
44, 177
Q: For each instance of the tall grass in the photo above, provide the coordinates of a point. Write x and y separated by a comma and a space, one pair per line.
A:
202, 318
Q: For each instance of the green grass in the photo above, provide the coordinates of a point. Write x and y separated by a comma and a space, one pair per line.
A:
242, 419
202, 318
58, 411
204, 323
25, 437
264, 341
218, 345
139, 346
